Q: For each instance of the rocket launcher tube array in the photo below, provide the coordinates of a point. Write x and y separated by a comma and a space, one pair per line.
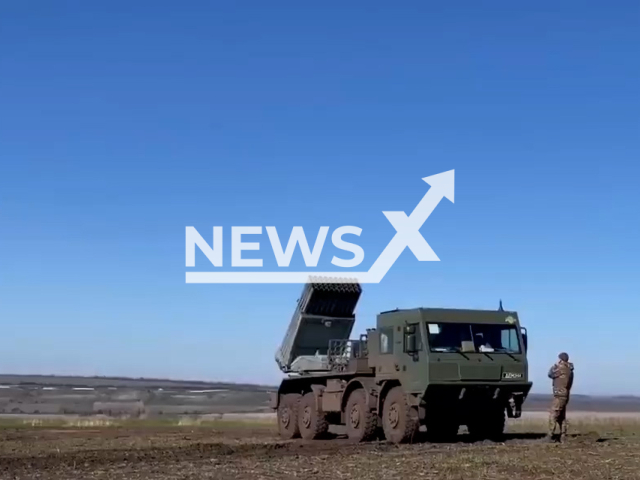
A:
325, 311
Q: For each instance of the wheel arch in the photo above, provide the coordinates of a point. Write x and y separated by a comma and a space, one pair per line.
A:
369, 387
386, 386
295, 385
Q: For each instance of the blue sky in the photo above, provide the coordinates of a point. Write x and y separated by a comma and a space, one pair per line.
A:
124, 122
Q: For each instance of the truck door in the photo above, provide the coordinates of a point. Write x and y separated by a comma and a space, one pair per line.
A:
412, 358
387, 366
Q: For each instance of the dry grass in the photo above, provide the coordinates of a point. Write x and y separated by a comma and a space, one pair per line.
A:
599, 448
93, 423
582, 424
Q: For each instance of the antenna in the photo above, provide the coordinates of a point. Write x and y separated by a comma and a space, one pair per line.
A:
500, 307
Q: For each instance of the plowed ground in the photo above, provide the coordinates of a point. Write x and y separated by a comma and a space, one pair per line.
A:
254, 452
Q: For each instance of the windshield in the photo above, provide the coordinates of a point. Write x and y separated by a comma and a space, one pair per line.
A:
473, 337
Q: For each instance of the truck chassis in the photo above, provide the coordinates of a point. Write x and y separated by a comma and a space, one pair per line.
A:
335, 381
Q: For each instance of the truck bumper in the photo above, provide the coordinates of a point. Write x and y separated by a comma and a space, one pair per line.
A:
512, 395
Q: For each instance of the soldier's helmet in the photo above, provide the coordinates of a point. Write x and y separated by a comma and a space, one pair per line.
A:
564, 357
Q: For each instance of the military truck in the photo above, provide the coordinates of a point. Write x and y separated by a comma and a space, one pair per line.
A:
435, 368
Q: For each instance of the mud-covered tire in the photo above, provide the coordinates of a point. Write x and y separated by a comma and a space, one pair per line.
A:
400, 421
488, 426
288, 416
312, 423
361, 422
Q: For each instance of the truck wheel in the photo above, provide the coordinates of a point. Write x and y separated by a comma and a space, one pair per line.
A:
489, 426
399, 421
311, 422
361, 422
288, 415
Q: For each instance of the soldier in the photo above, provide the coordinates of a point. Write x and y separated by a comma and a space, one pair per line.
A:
561, 375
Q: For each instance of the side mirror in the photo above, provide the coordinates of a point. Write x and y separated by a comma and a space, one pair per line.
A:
411, 345
525, 339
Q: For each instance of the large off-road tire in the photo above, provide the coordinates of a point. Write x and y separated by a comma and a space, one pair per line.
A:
288, 416
488, 425
400, 421
361, 422
312, 422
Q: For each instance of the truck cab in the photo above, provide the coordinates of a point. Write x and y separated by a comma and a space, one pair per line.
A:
431, 345
461, 363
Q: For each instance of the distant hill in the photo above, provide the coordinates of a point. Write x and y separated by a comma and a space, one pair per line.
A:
76, 394
588, 403
122, 382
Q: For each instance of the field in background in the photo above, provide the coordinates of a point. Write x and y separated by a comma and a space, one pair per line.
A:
116, 397
600, 447
157, 398
530, 421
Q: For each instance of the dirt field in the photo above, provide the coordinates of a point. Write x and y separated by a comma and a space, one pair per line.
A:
599, 448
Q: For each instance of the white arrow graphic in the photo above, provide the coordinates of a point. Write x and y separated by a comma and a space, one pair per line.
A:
407, 235
408, 228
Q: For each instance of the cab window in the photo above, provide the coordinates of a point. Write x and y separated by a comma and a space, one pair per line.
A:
386, 340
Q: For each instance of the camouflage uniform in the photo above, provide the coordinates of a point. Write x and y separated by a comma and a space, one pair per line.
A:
562, 376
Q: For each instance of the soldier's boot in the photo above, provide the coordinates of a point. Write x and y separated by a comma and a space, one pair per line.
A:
563, 432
